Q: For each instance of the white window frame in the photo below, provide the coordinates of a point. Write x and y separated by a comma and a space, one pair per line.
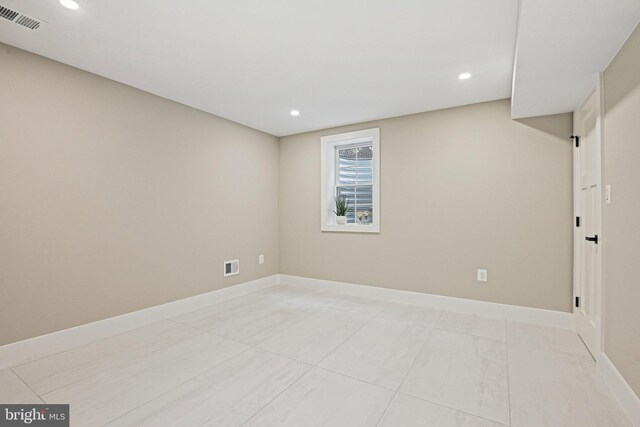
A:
328, 165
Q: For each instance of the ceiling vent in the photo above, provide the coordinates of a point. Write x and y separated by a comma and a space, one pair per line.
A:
20, 18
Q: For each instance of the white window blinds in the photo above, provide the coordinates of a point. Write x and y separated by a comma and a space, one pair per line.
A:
354, 181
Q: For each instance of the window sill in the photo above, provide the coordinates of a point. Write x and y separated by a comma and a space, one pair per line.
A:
351, 228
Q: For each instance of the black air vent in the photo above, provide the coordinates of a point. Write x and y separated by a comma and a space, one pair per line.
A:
20, 18
8, 13
30, 23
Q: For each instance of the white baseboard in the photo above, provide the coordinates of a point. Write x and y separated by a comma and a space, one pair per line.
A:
556, 319
35, 348
621, 390
38, 347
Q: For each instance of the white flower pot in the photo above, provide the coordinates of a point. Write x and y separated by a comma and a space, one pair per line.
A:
341, 220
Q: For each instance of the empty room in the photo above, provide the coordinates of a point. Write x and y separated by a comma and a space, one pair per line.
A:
320, 213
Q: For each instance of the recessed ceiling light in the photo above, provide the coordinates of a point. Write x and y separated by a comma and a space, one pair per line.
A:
70, 4
464, 76
295, 113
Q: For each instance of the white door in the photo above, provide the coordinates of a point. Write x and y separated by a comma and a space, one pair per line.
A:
588, 235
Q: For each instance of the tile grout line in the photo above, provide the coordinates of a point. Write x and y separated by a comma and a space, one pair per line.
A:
585, 351
310, 369
420, 351
452, 408
123, 364
201, 332
27, 385
302, 318
367, 322
277, 395
129, 330
17, 365
312, 312
205, 331
251, 346
386, 408
506, 343
449, 407
328, 370
436, 403
275, 353
587, 358
410, 366
317, 365
179, 385
471, 335
356, 379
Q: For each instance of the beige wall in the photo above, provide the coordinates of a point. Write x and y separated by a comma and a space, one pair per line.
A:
621, 226
112, 199
461, 189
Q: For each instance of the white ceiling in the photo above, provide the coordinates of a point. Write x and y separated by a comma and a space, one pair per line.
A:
561, 48
337, 61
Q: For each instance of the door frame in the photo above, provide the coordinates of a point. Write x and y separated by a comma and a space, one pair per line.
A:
577, 232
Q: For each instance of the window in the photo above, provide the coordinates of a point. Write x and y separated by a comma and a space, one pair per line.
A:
351, 173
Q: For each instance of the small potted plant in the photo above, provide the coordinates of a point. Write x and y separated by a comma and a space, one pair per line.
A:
342, 207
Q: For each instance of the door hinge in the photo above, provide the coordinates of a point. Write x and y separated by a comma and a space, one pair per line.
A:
577, 302
593, 239
576, 138
577, 221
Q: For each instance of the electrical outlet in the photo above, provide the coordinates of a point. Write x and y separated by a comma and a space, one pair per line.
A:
482, 275
260, 259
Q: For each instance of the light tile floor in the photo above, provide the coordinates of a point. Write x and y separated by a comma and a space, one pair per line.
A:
287, 356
